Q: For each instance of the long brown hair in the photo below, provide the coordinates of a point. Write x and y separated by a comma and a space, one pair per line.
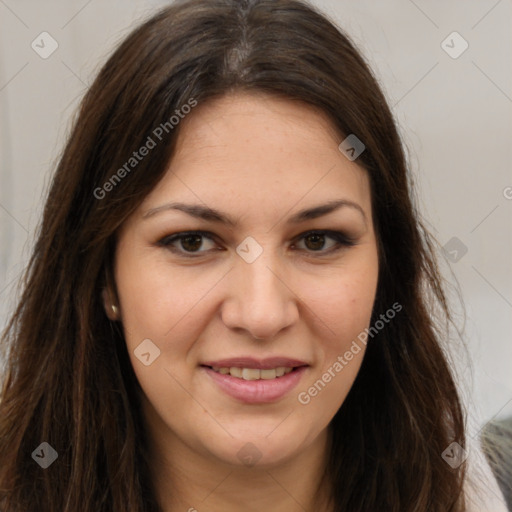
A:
69, 380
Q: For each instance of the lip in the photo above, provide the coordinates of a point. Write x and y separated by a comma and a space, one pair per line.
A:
259, 364
256, 391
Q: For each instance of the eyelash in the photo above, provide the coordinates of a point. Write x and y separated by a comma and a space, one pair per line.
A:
342, 242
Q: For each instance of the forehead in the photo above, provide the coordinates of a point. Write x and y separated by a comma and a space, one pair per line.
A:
266, 151
241, 121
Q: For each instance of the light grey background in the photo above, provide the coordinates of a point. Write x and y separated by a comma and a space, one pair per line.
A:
454, 116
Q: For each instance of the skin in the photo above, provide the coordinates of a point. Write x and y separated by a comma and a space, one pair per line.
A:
260, 160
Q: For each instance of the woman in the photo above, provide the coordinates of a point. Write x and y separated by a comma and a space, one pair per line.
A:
231, 301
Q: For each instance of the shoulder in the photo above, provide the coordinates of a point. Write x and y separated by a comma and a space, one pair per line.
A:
482, 491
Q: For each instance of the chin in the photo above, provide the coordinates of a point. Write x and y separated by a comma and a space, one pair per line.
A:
260, 449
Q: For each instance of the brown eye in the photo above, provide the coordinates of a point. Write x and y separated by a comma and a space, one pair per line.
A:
189, 242
316, 241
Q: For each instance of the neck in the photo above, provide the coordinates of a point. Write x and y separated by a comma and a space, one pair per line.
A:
186, 480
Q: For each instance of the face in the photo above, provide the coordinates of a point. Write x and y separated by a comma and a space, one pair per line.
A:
244, 278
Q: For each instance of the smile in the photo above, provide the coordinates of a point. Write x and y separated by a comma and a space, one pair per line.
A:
255, 385
253, 373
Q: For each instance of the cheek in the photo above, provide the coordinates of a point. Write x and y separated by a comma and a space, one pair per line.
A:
161, 312
344, 303
158, 303
345, 308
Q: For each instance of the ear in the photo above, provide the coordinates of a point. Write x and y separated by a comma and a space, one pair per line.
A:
111, 309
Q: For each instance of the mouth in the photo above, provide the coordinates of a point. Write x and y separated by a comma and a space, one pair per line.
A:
256, 381
253, 373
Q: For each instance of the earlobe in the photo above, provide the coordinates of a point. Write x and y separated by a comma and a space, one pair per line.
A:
111, 310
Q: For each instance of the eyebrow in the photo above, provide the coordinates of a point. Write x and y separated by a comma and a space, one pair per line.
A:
211, 214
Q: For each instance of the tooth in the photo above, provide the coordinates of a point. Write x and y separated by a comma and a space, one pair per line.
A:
253, 373
250, 374
280, 371
235, 372
268, 374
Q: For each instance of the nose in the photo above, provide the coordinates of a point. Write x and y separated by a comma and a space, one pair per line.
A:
261, 301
